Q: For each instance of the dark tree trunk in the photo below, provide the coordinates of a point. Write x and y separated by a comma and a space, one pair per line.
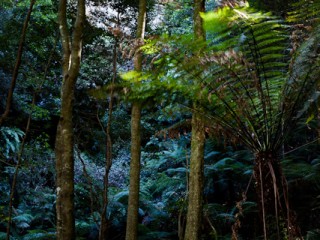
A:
278, 220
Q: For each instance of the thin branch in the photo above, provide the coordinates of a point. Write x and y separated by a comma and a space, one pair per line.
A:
17, 65
304, 145
15, 176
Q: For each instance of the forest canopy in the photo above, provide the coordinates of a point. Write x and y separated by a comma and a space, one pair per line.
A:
159, 119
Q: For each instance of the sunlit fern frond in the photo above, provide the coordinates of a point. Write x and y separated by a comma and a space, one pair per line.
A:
302, 88
246, 77
304, 12
303, 17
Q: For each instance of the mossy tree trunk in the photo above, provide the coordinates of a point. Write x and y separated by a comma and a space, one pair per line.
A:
64, 138
134, 188
196, 177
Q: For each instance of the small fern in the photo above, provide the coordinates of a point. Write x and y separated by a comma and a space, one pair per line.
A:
10, 139
23, 221
39, 234
3, 235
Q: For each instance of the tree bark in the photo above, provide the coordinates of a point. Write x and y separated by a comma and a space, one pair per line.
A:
133, 202
134, 188
196, 177
64, 138
17, 65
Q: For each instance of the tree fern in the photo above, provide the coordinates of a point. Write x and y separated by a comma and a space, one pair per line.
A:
250, 87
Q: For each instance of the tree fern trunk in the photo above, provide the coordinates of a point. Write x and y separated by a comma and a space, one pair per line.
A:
278, 221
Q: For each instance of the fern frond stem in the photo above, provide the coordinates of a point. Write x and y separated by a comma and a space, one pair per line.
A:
250, 141
235, 93
278, 136
249, 121
285, 195
241, 124
291, 118
223, 122
276, 197
248, 116
246, 92
302, 146
234, 131
262, 203
255, 54
249, 183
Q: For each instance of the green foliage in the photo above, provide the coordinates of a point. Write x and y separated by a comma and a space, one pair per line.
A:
246, 80
313, 235
3, 235
10, 139
83, 228
23, 221
305, 12
39, 234
244, 76
177, 18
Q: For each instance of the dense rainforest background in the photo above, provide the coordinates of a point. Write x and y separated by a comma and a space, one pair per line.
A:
159, 119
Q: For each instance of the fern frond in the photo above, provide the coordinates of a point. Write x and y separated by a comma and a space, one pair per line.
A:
301, 89
306, 12
39, 234
10, 139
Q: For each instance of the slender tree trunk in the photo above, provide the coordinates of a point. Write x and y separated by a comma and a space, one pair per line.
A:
16, 171
196, 177
64, 138
15, 176
133, 201
103, 233
17, 65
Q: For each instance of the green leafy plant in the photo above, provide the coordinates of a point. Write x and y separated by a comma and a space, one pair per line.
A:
10, 139
250, 87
